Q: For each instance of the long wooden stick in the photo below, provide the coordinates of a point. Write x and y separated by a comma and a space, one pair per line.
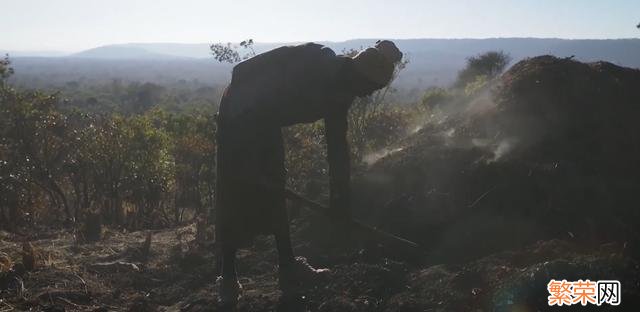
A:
320, 208
382, 235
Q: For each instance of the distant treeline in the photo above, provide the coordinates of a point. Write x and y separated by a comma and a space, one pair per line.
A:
110, 149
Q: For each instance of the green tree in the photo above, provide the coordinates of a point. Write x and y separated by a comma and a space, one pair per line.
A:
35, 145
436, 97
149, 167
489, 64
193, 149
5, 69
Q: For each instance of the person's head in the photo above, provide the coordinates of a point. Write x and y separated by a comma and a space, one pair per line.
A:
374, 67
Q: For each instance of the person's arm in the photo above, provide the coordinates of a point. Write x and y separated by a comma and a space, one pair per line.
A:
339, 165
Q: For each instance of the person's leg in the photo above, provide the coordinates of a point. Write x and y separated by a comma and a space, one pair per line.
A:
276, 172
283, 243
229, 263
229, 288
288, 277
294, 272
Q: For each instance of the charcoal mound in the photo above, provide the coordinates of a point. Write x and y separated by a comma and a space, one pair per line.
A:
554, 156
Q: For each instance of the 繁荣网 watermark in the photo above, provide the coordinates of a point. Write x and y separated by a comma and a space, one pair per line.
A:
584, 292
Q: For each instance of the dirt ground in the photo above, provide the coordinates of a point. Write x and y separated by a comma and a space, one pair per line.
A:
112, 275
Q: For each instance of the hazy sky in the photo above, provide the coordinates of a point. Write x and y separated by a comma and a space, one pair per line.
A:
72, 25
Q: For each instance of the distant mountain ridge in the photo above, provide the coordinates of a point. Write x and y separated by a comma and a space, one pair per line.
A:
624, 51
433, 62
121, 52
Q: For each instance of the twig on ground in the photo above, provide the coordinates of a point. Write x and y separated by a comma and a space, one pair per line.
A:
482, 196
7, 307
65, 300
84, 284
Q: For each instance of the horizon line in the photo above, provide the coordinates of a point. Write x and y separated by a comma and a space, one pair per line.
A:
4, 51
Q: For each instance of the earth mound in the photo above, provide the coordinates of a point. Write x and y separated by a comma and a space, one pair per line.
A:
549, 151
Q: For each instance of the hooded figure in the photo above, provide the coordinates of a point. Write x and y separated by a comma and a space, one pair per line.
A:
279, 88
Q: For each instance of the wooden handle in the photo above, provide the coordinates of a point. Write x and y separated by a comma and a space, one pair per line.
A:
382, 235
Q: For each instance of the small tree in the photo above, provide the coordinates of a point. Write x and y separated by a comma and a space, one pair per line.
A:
229, 53
489, 64
436, 97
5, 69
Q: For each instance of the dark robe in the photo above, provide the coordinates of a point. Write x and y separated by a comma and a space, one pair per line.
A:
282, 87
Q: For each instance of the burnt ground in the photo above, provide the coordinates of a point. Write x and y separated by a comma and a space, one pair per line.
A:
112, 275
